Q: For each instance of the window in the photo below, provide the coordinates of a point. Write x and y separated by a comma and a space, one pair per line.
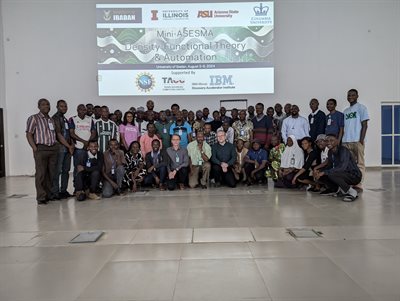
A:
390, 113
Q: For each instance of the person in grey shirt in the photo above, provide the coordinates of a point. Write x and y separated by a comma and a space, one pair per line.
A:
178, 162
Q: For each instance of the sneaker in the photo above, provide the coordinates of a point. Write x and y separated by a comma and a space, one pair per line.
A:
338, 194
349, 198
328, 192
93, 196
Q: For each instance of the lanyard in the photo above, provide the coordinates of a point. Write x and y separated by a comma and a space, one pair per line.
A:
113, 162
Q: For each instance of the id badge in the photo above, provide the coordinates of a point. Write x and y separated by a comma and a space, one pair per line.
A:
329, 121
312, 120
177, 159
164, 130
88, 164
66, 125
241, 133
113, 171
194, 134
180, 132
200, 162
51, 126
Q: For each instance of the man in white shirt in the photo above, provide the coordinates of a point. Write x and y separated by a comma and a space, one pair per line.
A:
295, 125
355, 129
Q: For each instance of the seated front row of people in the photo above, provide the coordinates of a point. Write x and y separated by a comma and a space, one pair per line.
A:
290, 166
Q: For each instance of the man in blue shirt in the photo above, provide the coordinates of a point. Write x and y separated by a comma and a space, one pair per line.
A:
334, 120
182, 129
355, 129
255, 163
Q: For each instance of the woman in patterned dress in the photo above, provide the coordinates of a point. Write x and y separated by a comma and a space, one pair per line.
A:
134, 169
275, 155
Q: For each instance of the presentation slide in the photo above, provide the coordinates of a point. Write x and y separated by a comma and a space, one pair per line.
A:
185, 48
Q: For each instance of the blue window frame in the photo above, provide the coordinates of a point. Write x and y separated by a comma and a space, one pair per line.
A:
390, 130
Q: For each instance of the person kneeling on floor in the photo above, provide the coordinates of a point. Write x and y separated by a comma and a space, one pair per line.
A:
113, 169
89, 167
339, 172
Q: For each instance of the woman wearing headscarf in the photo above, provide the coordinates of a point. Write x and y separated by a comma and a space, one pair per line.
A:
292, 161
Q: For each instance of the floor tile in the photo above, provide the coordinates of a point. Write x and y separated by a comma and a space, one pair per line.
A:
271, 234
146, 280
219, 280
307, 278
347, 248
378, 275
148, 252
16, 239
153, 236
277, 249
215, 251
222, 235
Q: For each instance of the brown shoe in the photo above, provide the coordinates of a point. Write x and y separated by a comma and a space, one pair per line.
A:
181, 186
93, 196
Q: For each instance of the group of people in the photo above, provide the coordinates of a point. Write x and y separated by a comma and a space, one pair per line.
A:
173, 149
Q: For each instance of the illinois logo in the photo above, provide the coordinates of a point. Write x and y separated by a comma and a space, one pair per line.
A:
145, 82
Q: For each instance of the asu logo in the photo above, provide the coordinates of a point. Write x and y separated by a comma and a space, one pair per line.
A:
205, 14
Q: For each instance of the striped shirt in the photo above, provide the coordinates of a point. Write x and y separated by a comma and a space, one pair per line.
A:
42, 128
106, 130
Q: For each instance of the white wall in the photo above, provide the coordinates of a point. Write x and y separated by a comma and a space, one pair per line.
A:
322, 49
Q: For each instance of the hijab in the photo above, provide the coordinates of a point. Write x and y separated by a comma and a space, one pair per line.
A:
290, 152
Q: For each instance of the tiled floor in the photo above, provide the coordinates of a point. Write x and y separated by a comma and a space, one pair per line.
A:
216, 244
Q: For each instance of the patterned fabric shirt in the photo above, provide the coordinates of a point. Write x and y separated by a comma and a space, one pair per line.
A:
211, 138
243, 130
42, 128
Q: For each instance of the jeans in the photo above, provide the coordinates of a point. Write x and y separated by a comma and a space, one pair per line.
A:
108, 189
62, 170
161, 172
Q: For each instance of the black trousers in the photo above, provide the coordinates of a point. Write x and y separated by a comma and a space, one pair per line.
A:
45, 166
85, 179
181, 177
226, 178
344, 180
259, 175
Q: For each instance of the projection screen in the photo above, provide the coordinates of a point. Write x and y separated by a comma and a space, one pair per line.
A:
185, 48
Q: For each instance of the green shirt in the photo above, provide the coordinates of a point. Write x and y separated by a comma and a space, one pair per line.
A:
163, 131
195, 154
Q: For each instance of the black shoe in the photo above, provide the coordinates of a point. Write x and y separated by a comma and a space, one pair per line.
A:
118, 191
65, 195
203, 186
81, 197
327, 192
42, 202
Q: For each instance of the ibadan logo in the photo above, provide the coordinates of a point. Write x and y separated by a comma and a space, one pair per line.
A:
145, 82
261, 10
107, 15
205, 14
